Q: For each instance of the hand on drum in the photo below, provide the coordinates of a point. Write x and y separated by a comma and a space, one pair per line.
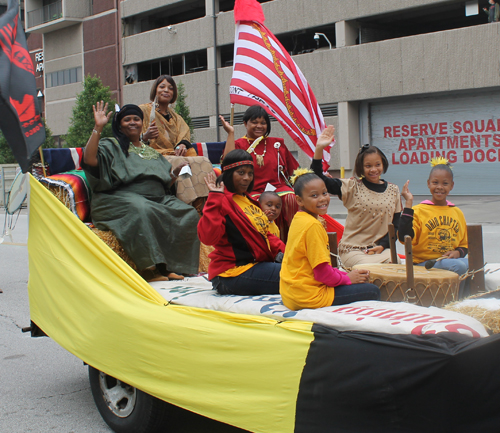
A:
358, 276
211, 182
374, 250
451, 255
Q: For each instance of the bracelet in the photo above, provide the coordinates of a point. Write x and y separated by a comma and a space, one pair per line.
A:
141, 139
96, 131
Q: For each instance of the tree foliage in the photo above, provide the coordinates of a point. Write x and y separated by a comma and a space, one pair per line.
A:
181, 108
82, 120
6, 155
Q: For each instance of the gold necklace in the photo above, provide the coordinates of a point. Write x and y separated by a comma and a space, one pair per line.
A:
251, 149
145, 152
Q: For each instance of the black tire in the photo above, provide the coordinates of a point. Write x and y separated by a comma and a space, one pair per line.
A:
127, 409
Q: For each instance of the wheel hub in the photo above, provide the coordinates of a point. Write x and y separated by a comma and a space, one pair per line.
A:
119, 396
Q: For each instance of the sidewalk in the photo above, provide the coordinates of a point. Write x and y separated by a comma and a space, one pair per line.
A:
483, 210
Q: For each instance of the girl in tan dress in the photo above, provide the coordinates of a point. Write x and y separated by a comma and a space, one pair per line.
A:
371, 202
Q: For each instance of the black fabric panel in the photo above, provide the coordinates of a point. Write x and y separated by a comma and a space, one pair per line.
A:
241, 252
361, 382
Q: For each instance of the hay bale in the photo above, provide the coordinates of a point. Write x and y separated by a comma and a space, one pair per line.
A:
110, 240
60, 193
483, 308
205, 250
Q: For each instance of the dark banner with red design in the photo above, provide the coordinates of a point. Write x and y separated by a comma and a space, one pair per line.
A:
20, 119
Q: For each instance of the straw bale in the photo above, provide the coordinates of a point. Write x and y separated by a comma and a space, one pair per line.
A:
60, 193
490, 319
110, 240
205, 250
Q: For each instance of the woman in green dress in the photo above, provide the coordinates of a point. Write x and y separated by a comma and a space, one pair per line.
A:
131, 197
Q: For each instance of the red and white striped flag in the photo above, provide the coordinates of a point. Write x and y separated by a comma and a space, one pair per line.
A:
265, 74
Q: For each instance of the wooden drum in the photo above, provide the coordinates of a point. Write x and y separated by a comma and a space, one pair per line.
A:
433, 287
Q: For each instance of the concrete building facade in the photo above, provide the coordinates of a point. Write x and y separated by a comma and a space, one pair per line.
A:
418, 78
78, 37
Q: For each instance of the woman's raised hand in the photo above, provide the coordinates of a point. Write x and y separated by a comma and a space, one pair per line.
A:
211, 180
100, 116
152, 132
227, 127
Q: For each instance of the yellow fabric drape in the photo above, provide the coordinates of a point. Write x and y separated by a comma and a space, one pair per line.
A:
240, 369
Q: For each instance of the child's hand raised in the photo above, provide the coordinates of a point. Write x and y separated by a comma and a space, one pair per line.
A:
358, 276
407, 195
326, 137
324, 140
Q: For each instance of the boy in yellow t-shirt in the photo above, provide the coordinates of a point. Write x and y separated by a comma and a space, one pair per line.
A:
307, 279
270, 203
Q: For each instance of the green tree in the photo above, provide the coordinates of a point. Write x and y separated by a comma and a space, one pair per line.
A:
6, 155
82, 120
181, 108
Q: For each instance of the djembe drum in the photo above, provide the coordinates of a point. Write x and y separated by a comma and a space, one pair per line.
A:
433, 287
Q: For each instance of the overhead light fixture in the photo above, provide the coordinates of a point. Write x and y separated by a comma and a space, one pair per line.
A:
317, 37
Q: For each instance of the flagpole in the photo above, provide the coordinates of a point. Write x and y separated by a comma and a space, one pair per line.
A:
231, 118
43, 162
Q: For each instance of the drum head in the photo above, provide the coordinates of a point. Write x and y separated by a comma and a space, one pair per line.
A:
17, 193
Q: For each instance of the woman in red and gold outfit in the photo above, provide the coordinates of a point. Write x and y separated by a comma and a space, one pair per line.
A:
273, 162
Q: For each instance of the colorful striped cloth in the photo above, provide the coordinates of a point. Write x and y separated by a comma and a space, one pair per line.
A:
61, 160
213, 151
72, 189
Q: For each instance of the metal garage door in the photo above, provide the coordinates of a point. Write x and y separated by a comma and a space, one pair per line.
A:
463, 128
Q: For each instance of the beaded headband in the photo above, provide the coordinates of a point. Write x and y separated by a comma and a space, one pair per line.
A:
236, 164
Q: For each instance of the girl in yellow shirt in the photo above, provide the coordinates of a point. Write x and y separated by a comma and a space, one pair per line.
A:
437, 227
307, 279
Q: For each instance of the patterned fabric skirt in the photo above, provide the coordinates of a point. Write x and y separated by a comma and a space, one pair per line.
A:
288, 210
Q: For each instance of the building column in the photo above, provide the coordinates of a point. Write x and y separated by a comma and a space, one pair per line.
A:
211, 7
346, 33
211, 58
348, 135
364, 122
